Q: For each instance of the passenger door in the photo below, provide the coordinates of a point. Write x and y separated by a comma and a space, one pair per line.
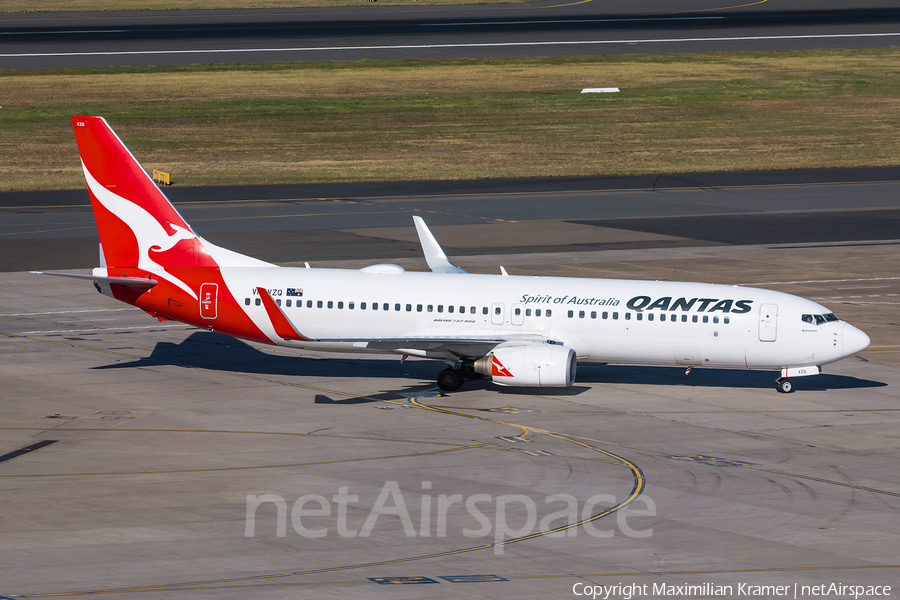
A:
768, 322
209, 297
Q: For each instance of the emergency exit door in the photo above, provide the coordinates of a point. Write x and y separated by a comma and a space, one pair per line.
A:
497, 317
768, 322
209, 297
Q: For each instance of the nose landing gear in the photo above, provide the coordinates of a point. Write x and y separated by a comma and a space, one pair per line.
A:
784, 385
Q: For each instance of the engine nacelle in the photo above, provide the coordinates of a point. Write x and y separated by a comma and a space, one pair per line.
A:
529, 365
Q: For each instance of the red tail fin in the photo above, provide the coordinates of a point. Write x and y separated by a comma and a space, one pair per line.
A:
138, 225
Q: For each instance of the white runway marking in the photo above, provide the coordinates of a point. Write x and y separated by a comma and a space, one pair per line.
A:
68, 312
438, 46
565, 21
63, 32
822, 281
107, 329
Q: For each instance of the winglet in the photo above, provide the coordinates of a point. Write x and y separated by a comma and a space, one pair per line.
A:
434, 254
283, 327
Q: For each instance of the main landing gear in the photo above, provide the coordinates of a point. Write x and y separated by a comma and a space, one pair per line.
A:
784, 385
453, 378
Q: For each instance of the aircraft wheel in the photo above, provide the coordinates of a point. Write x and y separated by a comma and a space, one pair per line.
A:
784, 385
450, 379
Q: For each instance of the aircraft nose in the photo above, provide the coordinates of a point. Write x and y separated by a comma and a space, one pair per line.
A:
854, 340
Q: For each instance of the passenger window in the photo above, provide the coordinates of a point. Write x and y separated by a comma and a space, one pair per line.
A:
409, 308
580, 314
649, 316
309, 304
462, 310
615, 315
706, 318
593, 314
440, 308
518, 311
662, 317
694, 319
727, 320
605, 315
362, 306
287, 303
472, 310
319, 304
341, 304
820, 320
374, 306
450, 309
496, 310
548, 313
484, 310
571, 314
627, 316
715, 319
247, 301
537, 312
330, 304
684, 318
396, 307
278, 302
431, 308
419, 307
351, 305
527, 312
387, 306
640, 316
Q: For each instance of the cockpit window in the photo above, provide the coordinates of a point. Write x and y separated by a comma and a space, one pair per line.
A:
819, 319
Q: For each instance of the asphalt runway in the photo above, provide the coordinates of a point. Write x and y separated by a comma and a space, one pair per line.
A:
144, 459
372, 32
291, 224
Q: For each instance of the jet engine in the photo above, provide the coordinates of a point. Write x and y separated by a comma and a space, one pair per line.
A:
529, 365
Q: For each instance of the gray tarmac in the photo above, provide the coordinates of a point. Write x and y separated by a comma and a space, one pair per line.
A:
281, 224
160, 432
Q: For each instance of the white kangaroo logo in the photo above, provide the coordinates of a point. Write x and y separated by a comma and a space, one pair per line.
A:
147, 230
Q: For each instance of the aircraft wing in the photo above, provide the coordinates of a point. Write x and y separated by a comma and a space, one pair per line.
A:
473, 346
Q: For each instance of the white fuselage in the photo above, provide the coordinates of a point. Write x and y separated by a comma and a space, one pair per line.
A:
603, 320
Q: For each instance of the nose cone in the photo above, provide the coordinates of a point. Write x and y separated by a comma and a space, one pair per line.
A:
854, 340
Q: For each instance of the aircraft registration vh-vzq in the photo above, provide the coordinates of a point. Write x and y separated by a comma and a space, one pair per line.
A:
519, 331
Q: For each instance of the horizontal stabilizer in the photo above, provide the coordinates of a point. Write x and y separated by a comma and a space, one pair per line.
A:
434, 254
139, 282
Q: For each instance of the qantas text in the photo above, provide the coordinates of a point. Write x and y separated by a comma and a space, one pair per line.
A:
640, 303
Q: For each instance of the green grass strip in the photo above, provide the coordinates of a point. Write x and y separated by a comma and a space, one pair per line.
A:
363, 121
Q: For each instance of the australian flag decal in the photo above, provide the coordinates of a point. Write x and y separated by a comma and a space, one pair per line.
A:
294, 292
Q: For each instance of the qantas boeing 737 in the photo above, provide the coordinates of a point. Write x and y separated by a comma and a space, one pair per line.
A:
519, 331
